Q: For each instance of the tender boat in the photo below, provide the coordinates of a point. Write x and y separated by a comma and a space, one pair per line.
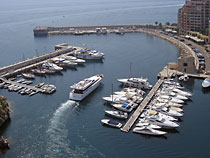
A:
28, 75
148, 130
111, 123
117, 114
206, 83
136, 83
85, 87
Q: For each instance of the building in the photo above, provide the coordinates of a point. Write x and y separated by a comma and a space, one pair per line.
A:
194, 16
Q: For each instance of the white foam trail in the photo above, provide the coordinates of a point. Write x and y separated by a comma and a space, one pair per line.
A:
58, 144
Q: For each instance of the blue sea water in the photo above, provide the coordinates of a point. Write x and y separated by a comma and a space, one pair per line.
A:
51, 126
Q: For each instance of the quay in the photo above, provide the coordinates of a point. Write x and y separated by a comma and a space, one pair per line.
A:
141, 107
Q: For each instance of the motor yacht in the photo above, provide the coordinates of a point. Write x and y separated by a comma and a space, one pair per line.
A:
117, 114
111, 123
85, 87
136, 83
148, 131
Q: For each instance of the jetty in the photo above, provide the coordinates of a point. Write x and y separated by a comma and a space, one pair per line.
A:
36, 89
141, 107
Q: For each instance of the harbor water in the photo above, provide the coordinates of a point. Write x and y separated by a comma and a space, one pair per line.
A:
52, 126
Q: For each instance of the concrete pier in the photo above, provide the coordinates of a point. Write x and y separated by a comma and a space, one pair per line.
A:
141, 107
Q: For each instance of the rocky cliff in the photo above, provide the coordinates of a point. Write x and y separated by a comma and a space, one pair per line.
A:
4, 110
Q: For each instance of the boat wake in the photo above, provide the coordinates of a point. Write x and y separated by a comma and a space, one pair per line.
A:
58, 144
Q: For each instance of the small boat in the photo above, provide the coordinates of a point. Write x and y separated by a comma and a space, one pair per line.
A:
148, 131
206, 83
111, 123
147, 124
136, 83
28, 75
123, 107
83, 88
183, 78
117, 114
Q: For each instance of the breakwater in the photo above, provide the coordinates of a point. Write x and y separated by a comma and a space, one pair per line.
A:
118, 29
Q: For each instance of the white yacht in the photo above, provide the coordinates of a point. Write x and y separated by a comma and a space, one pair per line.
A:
206, 83
123, 107
73, 59
85, 54
172, 99
152, 114
167, 111
51, 66
111, 123
85, 87
136, 82
28, 75
148, 130
147, 124
117, 114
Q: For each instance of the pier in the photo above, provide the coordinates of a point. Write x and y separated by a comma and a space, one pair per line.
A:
141, 107
36, 89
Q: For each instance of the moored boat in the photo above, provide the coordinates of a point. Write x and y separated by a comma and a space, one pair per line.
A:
206, 83
111, 123
148, 131
117, 114
136, 83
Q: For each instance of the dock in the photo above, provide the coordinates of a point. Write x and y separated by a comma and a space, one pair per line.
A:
141, 107
36, 89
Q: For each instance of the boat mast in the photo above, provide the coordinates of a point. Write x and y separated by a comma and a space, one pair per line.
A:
130, 69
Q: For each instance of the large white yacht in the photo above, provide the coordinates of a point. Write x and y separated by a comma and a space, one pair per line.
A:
136, 82
85, 87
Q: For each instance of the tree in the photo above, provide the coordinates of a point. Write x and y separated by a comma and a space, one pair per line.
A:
174, 24
168, 23
205, 32
160, 26
156, 23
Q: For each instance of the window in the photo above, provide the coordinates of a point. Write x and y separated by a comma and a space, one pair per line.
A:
185, 64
